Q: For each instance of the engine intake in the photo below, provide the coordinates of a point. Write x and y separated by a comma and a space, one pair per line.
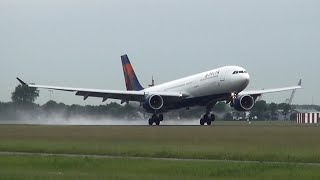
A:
243, 103
153, 102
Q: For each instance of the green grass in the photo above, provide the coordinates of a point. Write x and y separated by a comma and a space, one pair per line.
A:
54, 167
285, 143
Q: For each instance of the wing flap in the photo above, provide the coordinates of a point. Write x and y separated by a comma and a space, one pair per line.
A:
112, 95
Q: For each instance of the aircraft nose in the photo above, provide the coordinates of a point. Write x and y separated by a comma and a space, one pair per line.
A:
246, 79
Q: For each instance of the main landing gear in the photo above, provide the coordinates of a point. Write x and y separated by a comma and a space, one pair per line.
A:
207, 118
156, 119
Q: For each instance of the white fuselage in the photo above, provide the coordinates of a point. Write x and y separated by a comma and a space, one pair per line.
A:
217, 81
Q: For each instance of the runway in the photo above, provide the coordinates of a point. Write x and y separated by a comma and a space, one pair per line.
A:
4, 153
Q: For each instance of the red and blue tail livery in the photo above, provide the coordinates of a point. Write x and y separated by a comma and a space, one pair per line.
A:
132, 82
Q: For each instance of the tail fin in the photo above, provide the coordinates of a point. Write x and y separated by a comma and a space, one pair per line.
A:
132, 82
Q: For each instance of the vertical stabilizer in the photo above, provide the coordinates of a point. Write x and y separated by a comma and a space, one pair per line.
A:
131, 80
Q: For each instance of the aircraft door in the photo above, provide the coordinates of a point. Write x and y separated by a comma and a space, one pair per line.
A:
221, 77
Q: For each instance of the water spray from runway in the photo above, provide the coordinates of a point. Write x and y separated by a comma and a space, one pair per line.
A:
60, 119
85, 121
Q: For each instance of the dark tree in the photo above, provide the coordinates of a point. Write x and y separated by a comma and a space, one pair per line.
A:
114, 109
285, 109
50, 105
130, 111
192, 113
220, 107
259, 109
293, 116
24, 95
228, 117
273, 107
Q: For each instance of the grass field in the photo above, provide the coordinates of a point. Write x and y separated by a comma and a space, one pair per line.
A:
272, 142
261, 143
38, 167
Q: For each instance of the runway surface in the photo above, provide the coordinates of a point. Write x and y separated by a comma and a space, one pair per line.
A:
3, 153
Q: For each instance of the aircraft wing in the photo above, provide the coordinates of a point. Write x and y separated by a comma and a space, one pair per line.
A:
124, 96
256, 93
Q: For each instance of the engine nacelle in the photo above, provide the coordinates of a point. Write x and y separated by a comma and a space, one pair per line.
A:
243, 103
153, 103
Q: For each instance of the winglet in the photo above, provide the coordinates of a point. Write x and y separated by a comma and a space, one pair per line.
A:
300, 82
23, 83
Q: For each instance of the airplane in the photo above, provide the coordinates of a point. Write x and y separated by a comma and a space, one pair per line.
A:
204, 89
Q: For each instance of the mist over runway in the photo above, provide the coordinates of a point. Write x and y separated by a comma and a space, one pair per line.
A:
92, 121
143, 122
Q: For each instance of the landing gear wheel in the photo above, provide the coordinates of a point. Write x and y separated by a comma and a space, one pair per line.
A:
157, 122
212, 117
156, 119
201, 122
150, 121
231, 103
161, 117
205, 117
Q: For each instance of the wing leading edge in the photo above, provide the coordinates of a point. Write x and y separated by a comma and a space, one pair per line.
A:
257, 93
124, 96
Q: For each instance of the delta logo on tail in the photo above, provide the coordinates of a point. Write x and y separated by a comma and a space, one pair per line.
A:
131, 80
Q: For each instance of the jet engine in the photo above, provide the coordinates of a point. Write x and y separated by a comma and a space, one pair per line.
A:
243, 103
153, 103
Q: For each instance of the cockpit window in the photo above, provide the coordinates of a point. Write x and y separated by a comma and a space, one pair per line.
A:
239, 72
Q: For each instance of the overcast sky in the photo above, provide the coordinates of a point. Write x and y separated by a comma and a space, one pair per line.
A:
78, 43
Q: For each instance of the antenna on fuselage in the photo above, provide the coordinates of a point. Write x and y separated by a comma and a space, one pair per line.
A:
152, 82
